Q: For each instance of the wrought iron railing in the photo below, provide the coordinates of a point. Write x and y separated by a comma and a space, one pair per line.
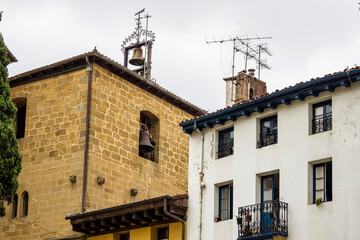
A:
263, 218
267, 138
322, 123
226, 149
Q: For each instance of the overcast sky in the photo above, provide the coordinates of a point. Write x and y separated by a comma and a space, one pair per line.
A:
310, 38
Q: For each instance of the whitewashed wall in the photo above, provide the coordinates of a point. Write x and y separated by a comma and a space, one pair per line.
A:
296, 148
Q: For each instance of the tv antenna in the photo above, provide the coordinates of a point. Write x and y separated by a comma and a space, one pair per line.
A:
245, 46
251, 51
254, 52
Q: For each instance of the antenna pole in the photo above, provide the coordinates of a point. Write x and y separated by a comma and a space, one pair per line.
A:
259, 62
233, 73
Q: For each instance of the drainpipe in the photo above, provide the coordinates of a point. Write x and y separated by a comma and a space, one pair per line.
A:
202, 185
89, 69
175, 217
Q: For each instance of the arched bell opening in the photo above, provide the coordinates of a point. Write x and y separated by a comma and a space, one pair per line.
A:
20, 119
149, 136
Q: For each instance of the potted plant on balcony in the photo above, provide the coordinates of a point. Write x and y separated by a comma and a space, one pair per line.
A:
248, 217
247, 231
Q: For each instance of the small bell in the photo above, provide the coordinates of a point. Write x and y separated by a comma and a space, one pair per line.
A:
137, 58
145, 143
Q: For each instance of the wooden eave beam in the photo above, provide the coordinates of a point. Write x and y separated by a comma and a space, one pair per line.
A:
95, 225
329, 88
245, 113
150, 214
299, 97
105, 224
285, 101
272, 105
180, 211
159, 212
259, 109
345, 83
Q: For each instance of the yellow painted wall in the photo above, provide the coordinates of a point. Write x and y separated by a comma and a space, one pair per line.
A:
141, 234
103, 237
148, 233
175, 231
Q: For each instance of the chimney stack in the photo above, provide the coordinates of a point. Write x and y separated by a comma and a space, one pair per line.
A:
243, 87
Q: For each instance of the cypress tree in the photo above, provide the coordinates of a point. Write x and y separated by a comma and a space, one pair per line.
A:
10, 158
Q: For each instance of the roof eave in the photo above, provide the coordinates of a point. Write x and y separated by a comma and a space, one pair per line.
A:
286, 96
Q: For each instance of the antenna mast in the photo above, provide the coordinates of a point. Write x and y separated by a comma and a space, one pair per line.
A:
245, 46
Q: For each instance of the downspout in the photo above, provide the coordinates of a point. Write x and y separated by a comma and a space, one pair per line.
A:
202, 185
176, 218
89, 69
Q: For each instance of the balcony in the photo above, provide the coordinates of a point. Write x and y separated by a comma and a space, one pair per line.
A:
226, 149
267, 138
322, 123
263, 220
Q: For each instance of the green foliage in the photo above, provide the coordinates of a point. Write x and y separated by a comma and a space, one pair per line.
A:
10, 158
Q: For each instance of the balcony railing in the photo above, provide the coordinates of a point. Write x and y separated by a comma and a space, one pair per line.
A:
270, 218
267, 138
226, 149
322, 123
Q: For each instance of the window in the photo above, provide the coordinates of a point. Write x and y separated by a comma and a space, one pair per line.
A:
14, 206
25, 204
268, 131
322, 117
251, 93
20, 117
226, 142
322, 182
149, 136
225, 202
125, 236
163, 233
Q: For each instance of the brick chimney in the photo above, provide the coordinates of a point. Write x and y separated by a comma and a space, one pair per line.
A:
243, 87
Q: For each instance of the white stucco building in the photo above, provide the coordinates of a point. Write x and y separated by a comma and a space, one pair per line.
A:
287, 163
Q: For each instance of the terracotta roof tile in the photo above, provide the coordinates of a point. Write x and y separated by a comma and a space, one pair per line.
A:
277, 90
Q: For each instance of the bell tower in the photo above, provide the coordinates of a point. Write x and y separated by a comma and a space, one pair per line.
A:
140, 43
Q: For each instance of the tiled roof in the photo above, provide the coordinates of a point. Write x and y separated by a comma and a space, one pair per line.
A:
79, 62
284, 96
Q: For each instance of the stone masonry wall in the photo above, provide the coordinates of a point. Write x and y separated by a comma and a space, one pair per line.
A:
52, 150
114, 136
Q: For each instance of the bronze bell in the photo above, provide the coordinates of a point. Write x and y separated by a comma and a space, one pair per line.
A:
137, 58
145, 143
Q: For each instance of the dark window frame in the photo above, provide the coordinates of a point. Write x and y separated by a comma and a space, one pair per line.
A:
14, 206
268, 135
226, 148
163, 233
229, 198
323, 122
327, 184
20, 120
25, 204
